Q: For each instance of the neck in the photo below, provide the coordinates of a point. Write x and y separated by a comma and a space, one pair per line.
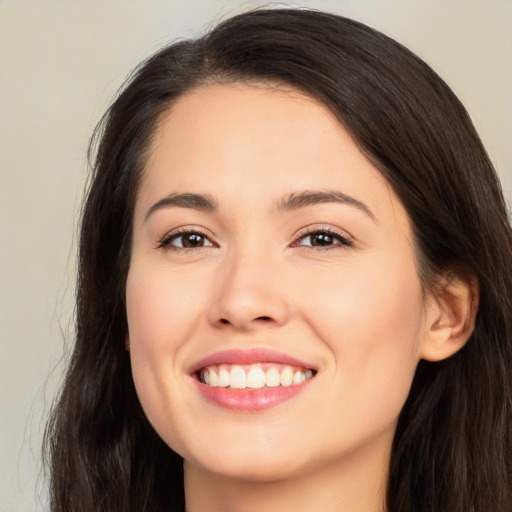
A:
357, 483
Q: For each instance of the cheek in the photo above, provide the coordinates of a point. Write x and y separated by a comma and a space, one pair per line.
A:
160, 321
371, 321
365, 304
161, 310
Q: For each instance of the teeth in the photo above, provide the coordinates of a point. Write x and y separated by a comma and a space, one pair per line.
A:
254, 376
297, 377
273, 378
237, 378
287, 376
224, 379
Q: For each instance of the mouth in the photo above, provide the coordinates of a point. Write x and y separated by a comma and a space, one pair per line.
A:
251, 380
254, 376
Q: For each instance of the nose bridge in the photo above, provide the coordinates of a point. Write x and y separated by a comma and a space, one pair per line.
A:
249, 293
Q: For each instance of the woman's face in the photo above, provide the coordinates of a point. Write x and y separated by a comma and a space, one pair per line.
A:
268, 251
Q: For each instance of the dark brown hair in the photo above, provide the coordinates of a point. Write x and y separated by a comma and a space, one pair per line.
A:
453, 445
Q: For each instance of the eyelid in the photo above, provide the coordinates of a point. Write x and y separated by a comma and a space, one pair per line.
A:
346, 239
165, 241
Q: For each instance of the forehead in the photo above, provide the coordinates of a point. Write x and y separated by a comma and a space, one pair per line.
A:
225, 140
234, 121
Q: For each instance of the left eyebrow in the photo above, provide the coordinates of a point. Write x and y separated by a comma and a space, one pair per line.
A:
201, 202
297, 200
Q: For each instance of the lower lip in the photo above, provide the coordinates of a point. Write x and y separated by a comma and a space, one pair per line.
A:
250, 399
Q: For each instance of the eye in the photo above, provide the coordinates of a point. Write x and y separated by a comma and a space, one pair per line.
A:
323, 239
185, 239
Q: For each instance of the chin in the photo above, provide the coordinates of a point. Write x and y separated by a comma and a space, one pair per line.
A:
270, 469
263, 461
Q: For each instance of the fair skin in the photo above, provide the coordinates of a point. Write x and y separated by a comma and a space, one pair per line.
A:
330, 280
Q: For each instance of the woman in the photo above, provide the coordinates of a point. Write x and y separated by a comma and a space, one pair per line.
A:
294, 285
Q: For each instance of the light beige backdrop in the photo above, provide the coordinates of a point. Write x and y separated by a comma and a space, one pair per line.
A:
60, 65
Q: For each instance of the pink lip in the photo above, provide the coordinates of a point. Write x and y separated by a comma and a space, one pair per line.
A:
249, 400
249, 356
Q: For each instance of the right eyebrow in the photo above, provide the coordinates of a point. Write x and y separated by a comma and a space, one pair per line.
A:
201, 202
302, 199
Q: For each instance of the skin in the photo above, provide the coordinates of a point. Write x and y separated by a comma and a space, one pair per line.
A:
356, 312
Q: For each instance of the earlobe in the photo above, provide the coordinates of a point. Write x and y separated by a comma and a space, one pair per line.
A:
451, 317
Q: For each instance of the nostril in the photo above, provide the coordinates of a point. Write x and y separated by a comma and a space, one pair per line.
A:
261, 318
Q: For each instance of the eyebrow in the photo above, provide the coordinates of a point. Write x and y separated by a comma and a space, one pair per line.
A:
201, 202
294, 201
297, 200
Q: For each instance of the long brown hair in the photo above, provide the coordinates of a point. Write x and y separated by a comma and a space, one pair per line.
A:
453, 445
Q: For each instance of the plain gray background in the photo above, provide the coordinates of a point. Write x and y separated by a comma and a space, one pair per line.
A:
60, 65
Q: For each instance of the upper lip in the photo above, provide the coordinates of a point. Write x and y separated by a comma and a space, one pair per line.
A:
249, 356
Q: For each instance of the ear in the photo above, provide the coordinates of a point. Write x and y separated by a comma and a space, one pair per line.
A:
451, 316
127, 343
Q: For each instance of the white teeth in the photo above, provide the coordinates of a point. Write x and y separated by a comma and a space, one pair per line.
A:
297, 377
273, 379
223, 380
256, 378
235, 377
287, 376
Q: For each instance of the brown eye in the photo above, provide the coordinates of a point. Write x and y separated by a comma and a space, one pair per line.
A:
321, 239
192, 240
186, 240
325, 239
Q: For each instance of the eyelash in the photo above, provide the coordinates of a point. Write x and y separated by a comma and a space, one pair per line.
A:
165, 242
340, 241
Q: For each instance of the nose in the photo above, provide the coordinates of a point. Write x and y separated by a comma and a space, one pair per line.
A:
250, 294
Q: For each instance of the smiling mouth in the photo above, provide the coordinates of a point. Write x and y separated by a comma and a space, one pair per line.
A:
253, 376
251, 380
